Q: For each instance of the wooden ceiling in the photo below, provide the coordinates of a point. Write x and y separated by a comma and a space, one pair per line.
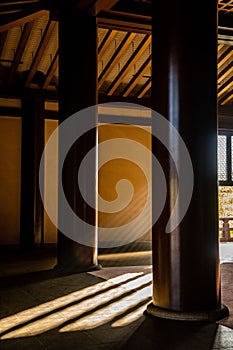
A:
29, 46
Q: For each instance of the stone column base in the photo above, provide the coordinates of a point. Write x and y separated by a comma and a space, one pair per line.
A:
211, 315
68, 270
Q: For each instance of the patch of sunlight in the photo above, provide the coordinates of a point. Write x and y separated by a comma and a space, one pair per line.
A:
130, 317
127, 255
54, 319
115, 309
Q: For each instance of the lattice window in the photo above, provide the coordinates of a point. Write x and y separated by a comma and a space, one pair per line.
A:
232, 158
222, 158
225, 158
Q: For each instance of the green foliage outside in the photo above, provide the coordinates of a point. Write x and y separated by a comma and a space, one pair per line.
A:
225, 203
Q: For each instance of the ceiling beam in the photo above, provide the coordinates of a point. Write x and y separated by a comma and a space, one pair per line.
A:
115, 57
51, 71
11, 92
7, 7
125, 21
129, 64
102, 5
136, 22
17, 2
41, 49
225, 20
20, 18
133, 82
19, 52
93, 7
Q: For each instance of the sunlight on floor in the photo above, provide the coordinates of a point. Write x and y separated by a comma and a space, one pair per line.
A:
121, 299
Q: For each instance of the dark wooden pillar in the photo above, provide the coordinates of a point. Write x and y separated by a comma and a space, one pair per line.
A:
77, 90
186, 273
32, 212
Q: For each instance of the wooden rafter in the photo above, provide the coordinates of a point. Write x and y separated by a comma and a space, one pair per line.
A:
225, 87
3, 36
105, 42
118, 53
7, 7
20, 18
225, 56
129, 64
145, 87
51, 71
19, 2
40, 51
19, 52
225, 72
228, 97
133, 82
220, 46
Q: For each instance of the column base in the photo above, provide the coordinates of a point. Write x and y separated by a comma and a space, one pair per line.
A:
211, 315
67, 270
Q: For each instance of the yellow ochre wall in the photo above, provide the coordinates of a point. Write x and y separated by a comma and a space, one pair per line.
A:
109, 174
10, 169
51, 196
113, 171
10, 175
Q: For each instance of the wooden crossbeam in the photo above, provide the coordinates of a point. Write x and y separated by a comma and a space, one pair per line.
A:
118, 53
13, 92
105, 42
93, 7
40, 51
129, 64
19, 2
133, 82
102, 5
51, 71
19, 52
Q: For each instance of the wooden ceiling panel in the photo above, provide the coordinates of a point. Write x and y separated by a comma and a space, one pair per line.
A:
9, 48
225, 6
128, 38
19, 51
29, 44
40, 50
131, 61
33, 42
50, 51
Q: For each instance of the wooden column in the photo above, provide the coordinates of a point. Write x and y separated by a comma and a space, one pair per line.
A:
32, 212
186, 273
77, 90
